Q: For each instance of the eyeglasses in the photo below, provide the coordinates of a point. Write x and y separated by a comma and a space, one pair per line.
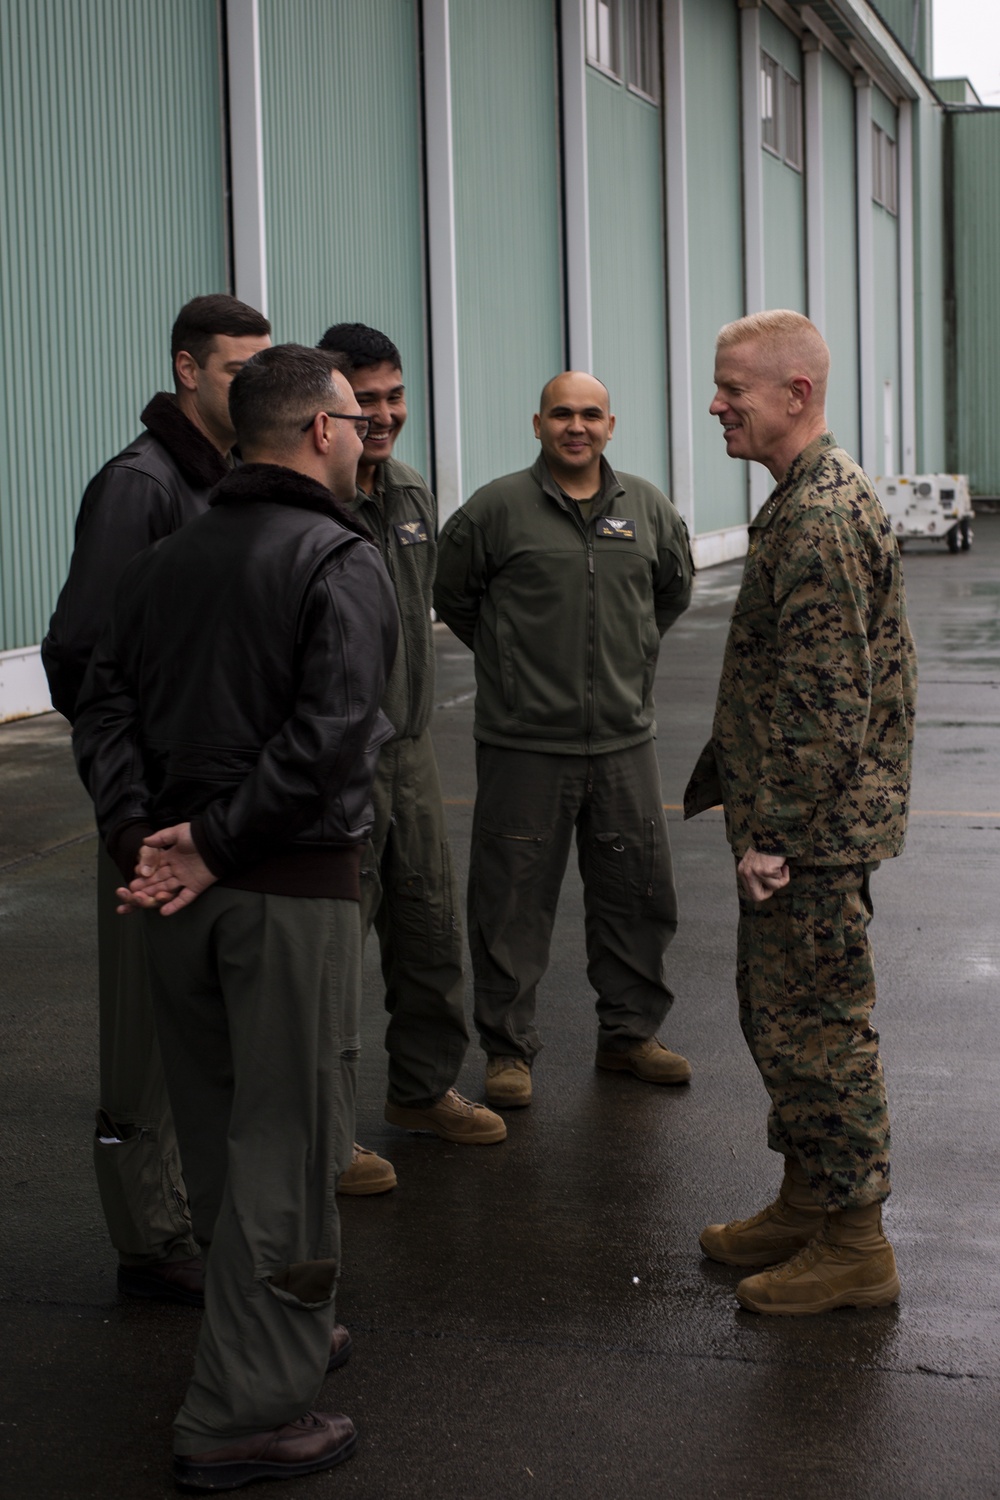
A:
361, 424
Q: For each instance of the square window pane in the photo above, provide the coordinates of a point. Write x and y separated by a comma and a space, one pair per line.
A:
602, 33
769, 79
643, 27
793, 121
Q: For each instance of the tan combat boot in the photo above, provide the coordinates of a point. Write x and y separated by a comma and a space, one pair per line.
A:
850, 1264
786, 1225
367, 1174
508, 1082
648, 1060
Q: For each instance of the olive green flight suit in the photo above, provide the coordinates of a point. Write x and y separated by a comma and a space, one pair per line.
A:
408, 889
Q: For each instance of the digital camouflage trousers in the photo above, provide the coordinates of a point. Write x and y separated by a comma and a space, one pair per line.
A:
806, 985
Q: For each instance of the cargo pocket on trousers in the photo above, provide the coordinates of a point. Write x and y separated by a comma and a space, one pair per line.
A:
625, 874
140, 1189
309, 1284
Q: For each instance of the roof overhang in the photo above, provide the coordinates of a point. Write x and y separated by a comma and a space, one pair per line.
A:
859, 39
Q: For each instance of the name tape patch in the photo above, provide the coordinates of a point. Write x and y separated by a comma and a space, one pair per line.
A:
616, 526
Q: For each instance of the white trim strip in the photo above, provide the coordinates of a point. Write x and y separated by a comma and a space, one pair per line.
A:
753, 167
442, 256
815, 201
715, 547
907, 294
24, 691
867, 359
754, 292
246, 136
681, 425
576, 187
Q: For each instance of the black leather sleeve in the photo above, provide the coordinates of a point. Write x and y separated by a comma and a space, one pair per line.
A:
106, 741
123, 510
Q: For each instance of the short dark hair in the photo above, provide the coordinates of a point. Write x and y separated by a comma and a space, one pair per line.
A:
279, 389
362, 346
203, 318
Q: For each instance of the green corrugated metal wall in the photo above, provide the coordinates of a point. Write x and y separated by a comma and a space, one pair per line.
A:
841, 252
929, 255
507, 235
886, 231
628, 288
784, 190
715, 229
112, 196
976, 199
899, 15
342, 180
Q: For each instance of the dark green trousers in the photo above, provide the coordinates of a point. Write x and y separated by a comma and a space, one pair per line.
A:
136, 1159
408, 892
528, 807
257, 1004
806, 986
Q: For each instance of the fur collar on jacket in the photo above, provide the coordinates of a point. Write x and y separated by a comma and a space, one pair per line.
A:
199, 461
277, 485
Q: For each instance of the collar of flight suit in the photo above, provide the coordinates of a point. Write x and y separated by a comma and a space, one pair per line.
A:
610, 487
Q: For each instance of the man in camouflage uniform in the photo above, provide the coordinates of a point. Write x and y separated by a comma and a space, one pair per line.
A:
810, 756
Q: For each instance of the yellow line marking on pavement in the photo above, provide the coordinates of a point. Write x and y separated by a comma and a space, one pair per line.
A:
936, 812
915, 812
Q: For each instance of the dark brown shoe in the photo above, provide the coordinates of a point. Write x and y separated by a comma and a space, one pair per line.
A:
315, 1441
166, 1281
341, 1346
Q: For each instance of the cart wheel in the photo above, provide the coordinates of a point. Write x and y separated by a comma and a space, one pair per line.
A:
953, 538
965, 527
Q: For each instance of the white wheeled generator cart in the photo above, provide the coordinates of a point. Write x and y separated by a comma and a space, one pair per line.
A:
931, 507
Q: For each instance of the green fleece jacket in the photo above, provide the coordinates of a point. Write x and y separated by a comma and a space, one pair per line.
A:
564, 616
401, 515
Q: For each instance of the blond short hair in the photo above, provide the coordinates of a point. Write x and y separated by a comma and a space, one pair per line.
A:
793, 344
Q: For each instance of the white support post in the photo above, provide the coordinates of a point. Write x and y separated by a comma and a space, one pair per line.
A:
907, 292
442, 256
576, 189
681, 424
753, 167
815, 199
246, 137
869, 396
754, 293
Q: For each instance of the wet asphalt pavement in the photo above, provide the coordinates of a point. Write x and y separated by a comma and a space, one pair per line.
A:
535, 1318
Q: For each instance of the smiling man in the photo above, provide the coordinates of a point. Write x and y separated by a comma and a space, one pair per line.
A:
562, 578
810, 756
408, 889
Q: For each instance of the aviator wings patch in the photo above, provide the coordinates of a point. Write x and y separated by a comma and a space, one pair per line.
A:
408, 533
616, 526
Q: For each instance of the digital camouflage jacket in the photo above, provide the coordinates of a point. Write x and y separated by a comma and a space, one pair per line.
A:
812, 739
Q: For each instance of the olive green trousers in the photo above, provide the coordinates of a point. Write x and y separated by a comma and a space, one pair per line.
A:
136, 1159
528, 808
257, 1003
408, 892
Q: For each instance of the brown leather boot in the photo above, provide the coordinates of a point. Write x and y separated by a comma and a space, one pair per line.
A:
771, 1236
850, 1264
165, 1281
315, 1441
